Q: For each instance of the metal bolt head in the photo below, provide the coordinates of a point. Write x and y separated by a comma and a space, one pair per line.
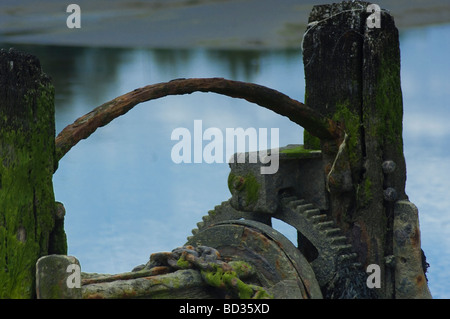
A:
390, 194
388, 167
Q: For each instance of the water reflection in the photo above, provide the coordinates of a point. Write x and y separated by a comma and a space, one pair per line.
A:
124, 196
170, 61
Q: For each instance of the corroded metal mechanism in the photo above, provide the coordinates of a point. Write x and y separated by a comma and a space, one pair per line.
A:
278, 265
230, 259
320, 241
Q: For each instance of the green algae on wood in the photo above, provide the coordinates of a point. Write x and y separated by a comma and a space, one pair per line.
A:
382, 119
352, 75
310, 141
352, 127
27, 163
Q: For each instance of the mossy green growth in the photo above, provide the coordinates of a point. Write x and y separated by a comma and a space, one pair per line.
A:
248, 184
251, 188
297, 151
235, 183
389, 105
27, 204
310, 142
242, 268
58, 239
352, 126
364, 192
183, 263
229, 281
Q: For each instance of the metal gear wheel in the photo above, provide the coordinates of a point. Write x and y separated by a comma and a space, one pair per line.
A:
319, 239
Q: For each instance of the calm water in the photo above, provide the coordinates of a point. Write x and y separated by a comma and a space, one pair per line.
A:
126, 199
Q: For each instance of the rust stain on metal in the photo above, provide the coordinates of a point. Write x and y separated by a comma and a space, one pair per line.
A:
307, 284
264, 240
278, 266
250, 233
279, 244
245, 234
420, 280
415, 239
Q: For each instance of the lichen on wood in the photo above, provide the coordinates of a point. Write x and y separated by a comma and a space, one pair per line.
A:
27, 163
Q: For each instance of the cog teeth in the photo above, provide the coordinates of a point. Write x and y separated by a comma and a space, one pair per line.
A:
217, 213
349, 258
318, 218
324, 225
212, 213
344, 249
326, 236
302, 208
311, 212
338, 240
287, 201
297, 202
332, 232
200, 225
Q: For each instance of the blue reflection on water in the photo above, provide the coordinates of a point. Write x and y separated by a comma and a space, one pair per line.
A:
426, 92
124, 196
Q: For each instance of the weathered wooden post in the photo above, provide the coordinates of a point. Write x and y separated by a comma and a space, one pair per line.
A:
28, 213
352, 69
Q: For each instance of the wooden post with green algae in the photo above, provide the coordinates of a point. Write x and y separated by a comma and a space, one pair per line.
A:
27, 162
352, 73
